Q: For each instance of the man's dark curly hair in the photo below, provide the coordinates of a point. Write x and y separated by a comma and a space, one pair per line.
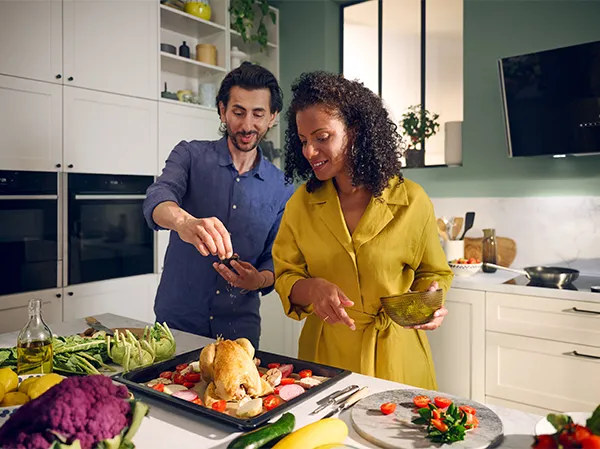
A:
372, 156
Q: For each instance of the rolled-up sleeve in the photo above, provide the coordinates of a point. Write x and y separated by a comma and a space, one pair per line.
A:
290, 267
432, 265
171, 185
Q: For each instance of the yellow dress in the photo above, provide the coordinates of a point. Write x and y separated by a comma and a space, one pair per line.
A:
394, 248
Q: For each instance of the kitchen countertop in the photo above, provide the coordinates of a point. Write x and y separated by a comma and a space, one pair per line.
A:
166, 428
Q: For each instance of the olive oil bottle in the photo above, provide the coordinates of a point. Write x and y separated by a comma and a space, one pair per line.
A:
34, 344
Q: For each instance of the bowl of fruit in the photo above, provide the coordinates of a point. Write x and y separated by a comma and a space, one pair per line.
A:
465, 267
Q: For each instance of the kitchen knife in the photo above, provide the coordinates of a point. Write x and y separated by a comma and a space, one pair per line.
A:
335, 398
364, 391
97, 325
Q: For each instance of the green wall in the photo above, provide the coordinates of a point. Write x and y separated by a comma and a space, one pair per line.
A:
495, 29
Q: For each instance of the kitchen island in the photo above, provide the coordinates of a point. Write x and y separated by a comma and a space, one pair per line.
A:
167, 427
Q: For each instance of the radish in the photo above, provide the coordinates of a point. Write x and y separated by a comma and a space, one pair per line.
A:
289, 392
186, 395
286, 370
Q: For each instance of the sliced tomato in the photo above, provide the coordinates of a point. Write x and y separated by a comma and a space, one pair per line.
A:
189, 384
305, 373
197, 401
442, 402
192, 377
439, 425
421, 401
287, 381
166, 374
181, 367
219, 406
436, 413
591, 442
468, 410
544, 442
388, 408
178, 379
159, 387
270, 402
273, 365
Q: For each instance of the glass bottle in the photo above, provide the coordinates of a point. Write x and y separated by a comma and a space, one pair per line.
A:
489, 250
34, 344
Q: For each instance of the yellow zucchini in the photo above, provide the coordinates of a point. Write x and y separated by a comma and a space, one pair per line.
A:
325, 431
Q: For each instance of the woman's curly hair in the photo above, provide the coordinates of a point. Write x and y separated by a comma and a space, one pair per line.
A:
372, 157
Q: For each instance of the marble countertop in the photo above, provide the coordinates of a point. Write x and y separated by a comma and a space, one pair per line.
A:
166, 427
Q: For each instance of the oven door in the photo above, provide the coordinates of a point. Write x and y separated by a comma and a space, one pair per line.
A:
108, 236
29, 222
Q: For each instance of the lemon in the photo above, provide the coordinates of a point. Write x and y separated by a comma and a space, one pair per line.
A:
1, 392
43, 384
8, 379
26, 384
14, 398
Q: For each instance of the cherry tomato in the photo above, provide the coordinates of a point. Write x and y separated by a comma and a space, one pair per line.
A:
421, 401
178, 379
442, 402
270, 402
192, 377
544, 442
273, 365
591, 442
166, 374
581, 433
305, 373
189, 385
181, 367
159, 387
468, 410
436, 414
472, 421
197, 401
287, 381
387, 408
219, 406
567, 439
439, 425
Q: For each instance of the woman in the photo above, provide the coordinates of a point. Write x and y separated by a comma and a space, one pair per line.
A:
354, 232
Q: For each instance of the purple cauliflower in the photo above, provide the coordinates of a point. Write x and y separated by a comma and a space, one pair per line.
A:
86, 410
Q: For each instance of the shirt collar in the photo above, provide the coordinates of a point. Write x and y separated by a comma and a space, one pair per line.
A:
259, 170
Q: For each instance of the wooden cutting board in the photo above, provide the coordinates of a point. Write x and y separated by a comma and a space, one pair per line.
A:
398, 431
506, 249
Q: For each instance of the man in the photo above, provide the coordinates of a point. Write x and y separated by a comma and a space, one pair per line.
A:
217, 197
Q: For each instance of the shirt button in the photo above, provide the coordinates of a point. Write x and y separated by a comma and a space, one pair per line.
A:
237, 179
212, 317
218, 292
230, 323
234, 206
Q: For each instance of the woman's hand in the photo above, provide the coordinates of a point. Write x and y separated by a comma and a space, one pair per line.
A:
438, 315
329, 302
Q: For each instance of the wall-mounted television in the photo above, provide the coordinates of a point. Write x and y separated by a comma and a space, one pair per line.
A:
551, 101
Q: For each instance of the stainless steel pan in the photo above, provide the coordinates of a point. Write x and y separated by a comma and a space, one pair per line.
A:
551, 276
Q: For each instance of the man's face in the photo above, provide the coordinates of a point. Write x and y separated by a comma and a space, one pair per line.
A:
248, 117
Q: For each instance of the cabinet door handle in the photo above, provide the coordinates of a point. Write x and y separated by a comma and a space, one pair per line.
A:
70, 78
70, 293
585, 356
576, 310
58, 295
58, 165
59, 76
70, 165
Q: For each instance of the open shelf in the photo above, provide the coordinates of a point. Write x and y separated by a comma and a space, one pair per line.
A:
188, 67
184, 23
236, 39
188, 105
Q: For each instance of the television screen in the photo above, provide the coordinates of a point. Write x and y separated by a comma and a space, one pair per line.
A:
551, 101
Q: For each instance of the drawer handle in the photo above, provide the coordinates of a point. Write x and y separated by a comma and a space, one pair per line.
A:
585, 356
576, 310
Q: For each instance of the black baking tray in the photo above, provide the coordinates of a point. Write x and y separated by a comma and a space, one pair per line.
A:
135, 381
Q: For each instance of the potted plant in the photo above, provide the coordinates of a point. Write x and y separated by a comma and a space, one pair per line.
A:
243, 16
418, 125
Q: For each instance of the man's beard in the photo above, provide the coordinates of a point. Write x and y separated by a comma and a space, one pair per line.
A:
240, 146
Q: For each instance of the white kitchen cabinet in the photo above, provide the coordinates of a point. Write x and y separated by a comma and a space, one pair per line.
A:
112, 46
31, 36
279, 334
14, 311
132, 297
542, 373
108, 133
458, 345
30, 125
162, 241
179, 122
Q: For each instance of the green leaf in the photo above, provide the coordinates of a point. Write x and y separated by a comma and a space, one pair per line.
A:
420, 421
593, 422
425, 413
558, 421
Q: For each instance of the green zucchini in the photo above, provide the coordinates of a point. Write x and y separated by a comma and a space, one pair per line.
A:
259, 437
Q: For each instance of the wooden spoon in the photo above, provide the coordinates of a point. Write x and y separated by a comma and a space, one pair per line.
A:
442, 229
458, 223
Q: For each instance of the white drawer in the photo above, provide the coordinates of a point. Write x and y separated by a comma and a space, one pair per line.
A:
491, 400
551, 319
542, 373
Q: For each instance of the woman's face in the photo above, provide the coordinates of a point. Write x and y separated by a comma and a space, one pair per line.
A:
324, 140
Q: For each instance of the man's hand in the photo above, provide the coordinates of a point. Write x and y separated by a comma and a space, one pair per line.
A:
208, 235
243, 275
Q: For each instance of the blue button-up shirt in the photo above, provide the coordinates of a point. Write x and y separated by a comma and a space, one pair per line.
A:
200, 177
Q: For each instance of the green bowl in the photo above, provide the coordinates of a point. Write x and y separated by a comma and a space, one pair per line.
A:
412, 308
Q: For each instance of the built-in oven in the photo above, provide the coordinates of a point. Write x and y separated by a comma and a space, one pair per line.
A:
30, 241
107, 236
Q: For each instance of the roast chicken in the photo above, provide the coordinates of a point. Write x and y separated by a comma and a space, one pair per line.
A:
229, 369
